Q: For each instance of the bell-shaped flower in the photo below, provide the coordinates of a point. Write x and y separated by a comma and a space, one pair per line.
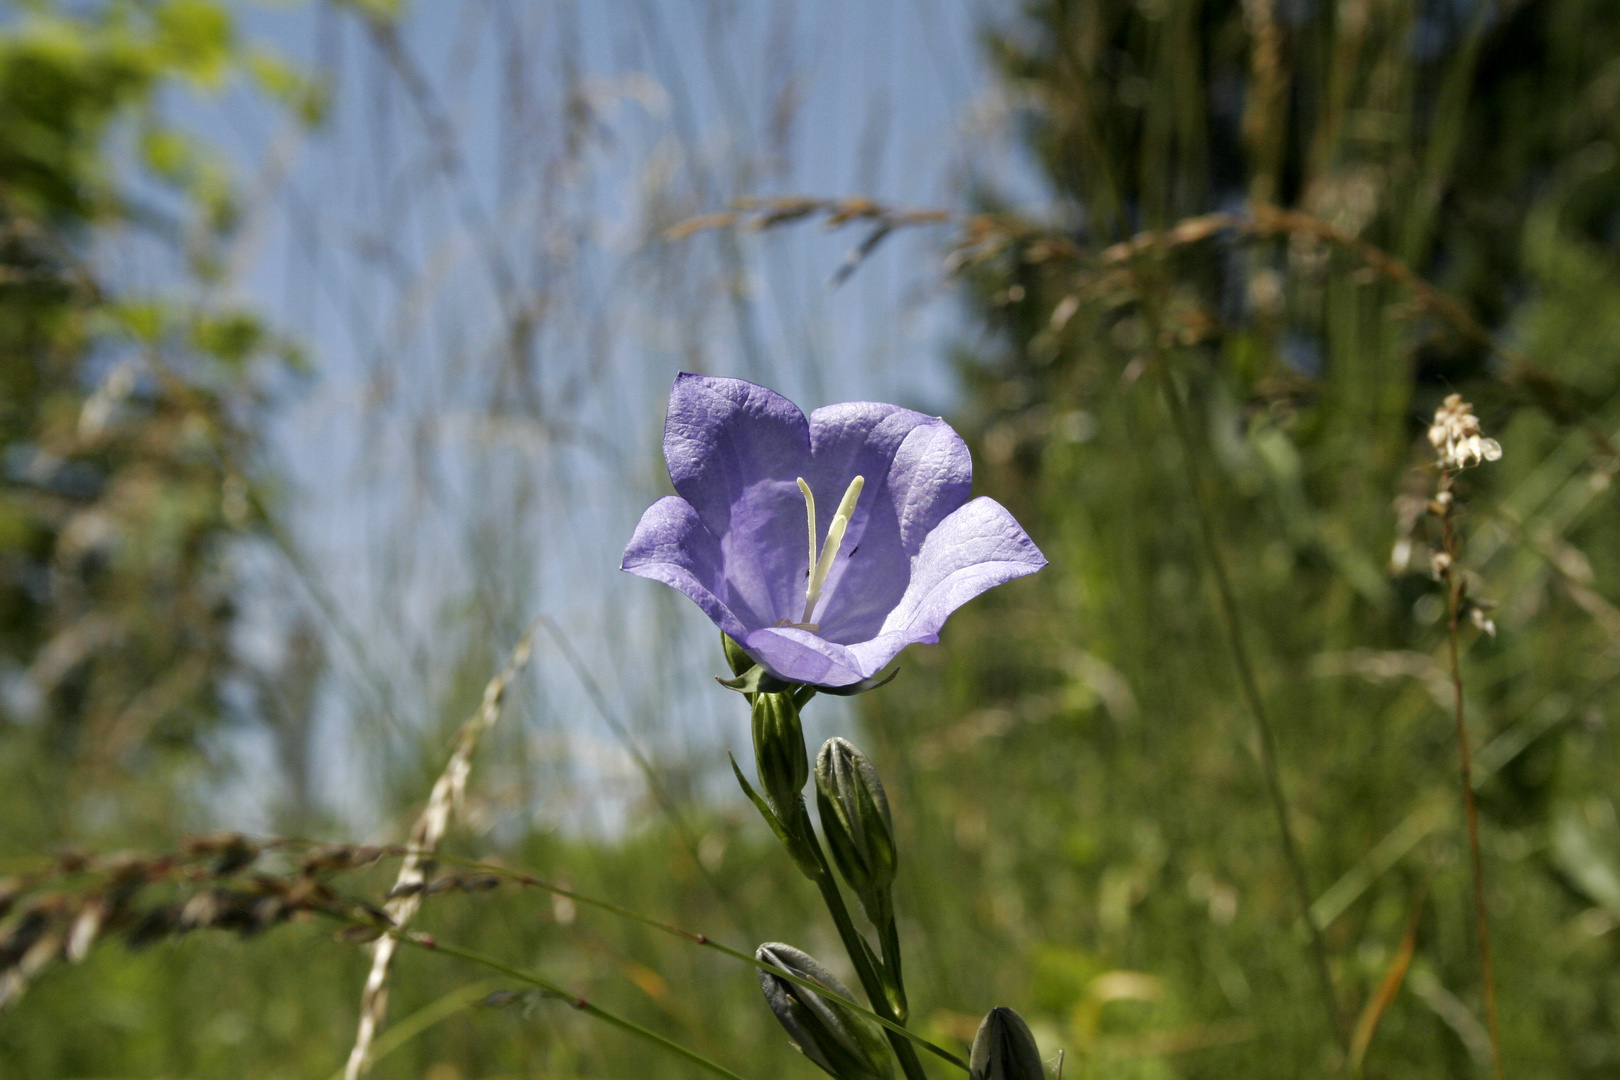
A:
903, 549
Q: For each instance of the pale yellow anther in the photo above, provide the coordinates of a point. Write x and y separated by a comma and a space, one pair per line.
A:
820, 567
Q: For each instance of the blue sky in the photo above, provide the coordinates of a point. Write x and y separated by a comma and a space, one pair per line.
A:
470, 251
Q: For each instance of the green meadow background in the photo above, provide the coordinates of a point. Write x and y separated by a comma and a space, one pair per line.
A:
1084, 829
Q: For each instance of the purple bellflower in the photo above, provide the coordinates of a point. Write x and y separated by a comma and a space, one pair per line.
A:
904, 548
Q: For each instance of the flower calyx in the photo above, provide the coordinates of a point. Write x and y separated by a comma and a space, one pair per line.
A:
752, 678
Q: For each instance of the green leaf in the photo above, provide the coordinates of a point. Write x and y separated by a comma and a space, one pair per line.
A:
196, 36
145, 321
230, 336
167, 152
279, 79
798, 849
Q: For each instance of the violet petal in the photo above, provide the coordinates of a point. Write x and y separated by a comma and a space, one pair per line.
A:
926, 477
723, 436
673, 546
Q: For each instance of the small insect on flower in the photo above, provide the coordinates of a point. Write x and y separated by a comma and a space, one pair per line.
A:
905, 546
1456, 437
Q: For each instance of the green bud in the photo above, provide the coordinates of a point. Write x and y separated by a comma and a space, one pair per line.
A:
843, 1043
855, 819
1004, 1049
779, 753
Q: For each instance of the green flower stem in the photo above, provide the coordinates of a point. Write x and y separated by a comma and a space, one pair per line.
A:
860, 956
1482, 923
889, 943
551, 989
782, 767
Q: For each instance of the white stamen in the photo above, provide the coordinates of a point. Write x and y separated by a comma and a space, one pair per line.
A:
810, 514
820, 567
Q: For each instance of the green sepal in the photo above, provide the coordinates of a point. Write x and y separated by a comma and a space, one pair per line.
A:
861, 687
756, 680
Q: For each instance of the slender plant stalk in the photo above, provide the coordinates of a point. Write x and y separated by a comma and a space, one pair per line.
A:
792, 826
403, 1031
1454, 588
655, 785
894, 1027
1233, 626
551, 989
889, 948
518, 877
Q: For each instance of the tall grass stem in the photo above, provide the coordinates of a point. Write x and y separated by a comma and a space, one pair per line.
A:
552, 990
1233, 626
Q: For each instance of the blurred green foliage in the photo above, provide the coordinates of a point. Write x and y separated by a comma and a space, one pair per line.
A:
1079, 751
128, 426
1083, 832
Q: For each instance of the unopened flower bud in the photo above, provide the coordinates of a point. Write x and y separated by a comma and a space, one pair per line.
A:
1004, 1049
843, 1043
779, 752
855, 819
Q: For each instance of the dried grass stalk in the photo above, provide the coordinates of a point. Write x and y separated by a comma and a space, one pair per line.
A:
409, 889
983, 237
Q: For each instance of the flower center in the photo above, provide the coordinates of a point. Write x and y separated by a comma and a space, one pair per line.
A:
821, 564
